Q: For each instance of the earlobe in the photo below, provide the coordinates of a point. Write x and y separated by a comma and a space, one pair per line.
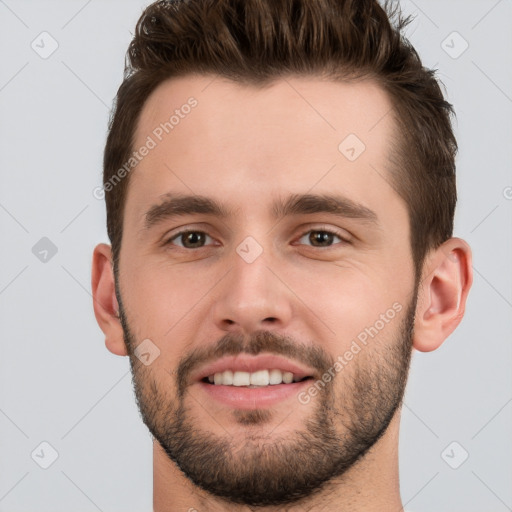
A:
106, 308
446, 279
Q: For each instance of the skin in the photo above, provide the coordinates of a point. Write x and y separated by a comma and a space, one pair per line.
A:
245, 147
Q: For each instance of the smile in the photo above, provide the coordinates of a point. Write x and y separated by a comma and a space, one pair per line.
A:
258, 378
248, 381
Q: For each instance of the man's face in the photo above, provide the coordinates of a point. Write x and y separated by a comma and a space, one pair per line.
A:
280, 287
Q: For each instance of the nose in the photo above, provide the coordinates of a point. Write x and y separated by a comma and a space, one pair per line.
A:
253, 296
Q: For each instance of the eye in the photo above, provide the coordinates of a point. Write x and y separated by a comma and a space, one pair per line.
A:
323, 237
319, 238
189, 239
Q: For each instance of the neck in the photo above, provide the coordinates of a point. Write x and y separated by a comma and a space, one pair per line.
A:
371, 485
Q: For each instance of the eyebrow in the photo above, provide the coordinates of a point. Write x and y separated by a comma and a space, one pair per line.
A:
176, 205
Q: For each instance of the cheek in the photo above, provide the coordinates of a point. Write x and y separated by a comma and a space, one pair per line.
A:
353, 307
353, 302
160, 302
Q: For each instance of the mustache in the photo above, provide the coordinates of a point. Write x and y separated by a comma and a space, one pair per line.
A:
258, 342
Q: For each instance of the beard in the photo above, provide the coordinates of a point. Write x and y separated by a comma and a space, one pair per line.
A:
349, 414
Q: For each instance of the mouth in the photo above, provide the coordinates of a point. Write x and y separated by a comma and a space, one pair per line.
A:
257, 379
253, 382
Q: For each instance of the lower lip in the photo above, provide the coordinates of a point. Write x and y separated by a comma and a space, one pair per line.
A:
240, 397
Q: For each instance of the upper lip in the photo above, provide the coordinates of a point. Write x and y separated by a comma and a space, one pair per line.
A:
249, 363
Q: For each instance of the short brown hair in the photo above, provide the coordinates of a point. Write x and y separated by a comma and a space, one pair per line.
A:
257, 41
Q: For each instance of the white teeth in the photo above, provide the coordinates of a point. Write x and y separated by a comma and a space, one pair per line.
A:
258, 378
241, 379
276, 376
287, 377
227, 377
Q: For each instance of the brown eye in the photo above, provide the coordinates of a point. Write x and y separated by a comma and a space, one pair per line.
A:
189, 239
322, 238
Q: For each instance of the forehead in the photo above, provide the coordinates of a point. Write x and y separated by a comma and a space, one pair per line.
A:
213, 136
322, 105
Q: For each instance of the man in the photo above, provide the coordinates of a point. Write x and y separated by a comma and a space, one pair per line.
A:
280, 190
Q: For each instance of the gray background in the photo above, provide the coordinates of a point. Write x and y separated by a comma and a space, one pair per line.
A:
59, 384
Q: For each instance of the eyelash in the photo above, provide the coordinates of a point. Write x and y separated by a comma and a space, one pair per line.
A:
343, 239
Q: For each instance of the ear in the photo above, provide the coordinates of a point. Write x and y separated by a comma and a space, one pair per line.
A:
106, 308
446, 279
